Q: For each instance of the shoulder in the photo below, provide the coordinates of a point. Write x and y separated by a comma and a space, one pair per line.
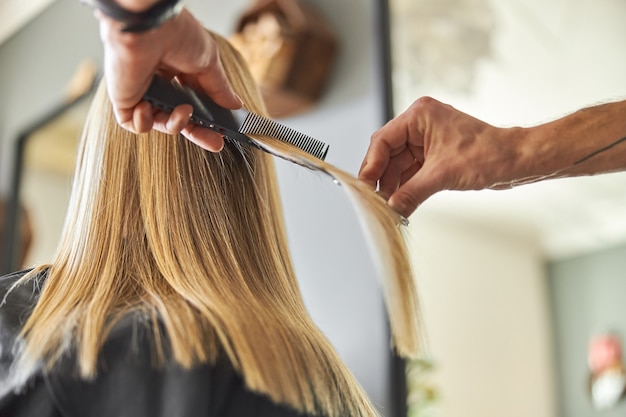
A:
129, 381
7, 281
26, 294
16, 302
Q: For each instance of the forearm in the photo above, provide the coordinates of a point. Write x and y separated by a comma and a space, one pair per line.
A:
583, 143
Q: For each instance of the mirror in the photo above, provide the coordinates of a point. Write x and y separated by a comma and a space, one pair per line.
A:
44, 164
496, 268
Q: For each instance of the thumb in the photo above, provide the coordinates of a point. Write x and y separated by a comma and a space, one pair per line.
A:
414, 192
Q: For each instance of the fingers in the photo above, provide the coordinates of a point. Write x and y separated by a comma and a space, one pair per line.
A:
375, 162
414, 192
393, 175
205, 138
432, 147
178, 122
395, 137
142, 118
396, 157
181, 47
399, 179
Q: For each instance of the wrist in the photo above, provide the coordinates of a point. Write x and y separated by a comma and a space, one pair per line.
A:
136, 5
536, 157
513, 157
539, 154
138, 15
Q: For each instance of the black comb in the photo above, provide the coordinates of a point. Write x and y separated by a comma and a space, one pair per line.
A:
233, 124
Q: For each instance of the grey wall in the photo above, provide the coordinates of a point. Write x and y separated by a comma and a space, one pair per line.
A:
334, 268
588, 297
36, 64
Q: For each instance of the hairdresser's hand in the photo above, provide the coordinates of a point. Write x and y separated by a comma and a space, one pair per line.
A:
179, 47
433, 147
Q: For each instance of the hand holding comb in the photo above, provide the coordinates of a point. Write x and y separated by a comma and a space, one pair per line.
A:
233, 124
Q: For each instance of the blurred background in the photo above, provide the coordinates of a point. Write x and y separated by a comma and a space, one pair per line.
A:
517, 286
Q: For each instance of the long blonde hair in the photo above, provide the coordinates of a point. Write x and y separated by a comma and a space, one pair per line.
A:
195, 240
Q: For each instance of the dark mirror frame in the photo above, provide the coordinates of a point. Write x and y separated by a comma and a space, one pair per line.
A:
398, 366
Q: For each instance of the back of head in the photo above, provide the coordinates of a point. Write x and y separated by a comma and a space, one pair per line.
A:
194, 241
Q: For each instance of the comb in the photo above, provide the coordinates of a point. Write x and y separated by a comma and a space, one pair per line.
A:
233, 124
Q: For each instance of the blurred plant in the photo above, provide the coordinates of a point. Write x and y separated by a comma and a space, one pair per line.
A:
422, 398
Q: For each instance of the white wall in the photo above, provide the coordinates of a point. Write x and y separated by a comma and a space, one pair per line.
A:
486, 311
481, 255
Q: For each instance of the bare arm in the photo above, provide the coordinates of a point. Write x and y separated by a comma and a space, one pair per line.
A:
433, 147
179, 47
584, 143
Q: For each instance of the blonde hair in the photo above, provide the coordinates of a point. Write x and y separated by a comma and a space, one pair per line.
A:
195, 240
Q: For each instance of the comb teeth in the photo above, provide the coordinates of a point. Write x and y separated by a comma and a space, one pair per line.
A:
258, 125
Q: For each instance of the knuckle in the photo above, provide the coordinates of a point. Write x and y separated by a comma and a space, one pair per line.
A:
424, 102
425, 105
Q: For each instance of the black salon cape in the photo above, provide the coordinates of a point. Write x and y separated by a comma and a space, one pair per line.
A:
127, 385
